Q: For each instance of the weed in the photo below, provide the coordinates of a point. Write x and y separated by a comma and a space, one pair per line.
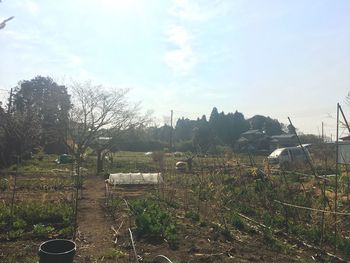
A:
113, 254
226, 233
41, 230
14, 234
203, 223
193, 216
153, 222
237, 221
274, 243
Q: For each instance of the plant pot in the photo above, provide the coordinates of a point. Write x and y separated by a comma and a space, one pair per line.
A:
57, 251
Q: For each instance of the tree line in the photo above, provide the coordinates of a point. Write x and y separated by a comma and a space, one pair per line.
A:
43, 116
201, 135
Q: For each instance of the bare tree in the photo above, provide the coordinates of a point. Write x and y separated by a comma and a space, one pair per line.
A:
97, 112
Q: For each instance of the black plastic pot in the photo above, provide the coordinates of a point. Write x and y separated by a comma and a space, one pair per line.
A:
57, 251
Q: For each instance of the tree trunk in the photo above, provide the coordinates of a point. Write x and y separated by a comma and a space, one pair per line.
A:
99, 164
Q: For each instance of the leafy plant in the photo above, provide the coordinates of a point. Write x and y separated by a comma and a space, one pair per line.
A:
154, 222
193, 216
14, 234
41, 230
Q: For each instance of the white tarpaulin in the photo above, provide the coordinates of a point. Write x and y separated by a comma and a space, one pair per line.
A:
344, 153
135, 178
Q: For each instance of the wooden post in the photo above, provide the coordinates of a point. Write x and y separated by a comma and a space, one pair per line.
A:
336, 181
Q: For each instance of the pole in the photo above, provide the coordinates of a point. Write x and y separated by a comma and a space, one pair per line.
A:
14, 188
322, 133
171, 131
342, 113
303, 149
336, 181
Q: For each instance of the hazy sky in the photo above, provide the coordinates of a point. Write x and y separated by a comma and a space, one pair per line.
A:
272, 57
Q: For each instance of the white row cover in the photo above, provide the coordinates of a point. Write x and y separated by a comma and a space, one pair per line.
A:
134, 178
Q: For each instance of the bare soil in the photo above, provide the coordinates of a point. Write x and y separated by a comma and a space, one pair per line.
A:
97, 242
94, 234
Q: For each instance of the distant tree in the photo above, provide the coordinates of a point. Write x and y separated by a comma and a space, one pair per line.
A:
202, 139
266, 124
183, 129
19, 134
48, 101
291, 129
309, 138
239, 125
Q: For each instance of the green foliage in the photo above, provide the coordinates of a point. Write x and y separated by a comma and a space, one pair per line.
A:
153, 222
237, 221
193, 216
14, 234
34, 213
3, 184
113, 205
19, 223
203, 223
113, 254
274, 243
41, 230
226, 233
36, 219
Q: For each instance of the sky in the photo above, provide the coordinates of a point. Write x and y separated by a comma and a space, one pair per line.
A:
274, 58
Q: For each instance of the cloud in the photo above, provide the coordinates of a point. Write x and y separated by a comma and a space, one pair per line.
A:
29, 6
182, 58
199, 10
189, 19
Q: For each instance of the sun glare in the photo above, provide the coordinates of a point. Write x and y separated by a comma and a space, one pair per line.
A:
120, 5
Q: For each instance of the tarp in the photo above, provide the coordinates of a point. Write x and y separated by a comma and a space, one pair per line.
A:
134, 178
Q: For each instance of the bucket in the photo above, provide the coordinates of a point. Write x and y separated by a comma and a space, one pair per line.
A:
57, 251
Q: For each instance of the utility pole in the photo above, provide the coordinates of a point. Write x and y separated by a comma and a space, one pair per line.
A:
322, 133
171, 131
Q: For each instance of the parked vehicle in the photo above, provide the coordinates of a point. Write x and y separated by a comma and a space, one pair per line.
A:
289, 156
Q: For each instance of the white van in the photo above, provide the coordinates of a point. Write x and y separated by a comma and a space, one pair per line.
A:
288, 155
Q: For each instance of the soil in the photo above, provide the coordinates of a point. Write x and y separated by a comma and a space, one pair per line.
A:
94, 234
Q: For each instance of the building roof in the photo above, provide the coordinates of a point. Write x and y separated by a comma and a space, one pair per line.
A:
283, 136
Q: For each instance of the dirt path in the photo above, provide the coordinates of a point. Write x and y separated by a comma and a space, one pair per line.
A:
94, 236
